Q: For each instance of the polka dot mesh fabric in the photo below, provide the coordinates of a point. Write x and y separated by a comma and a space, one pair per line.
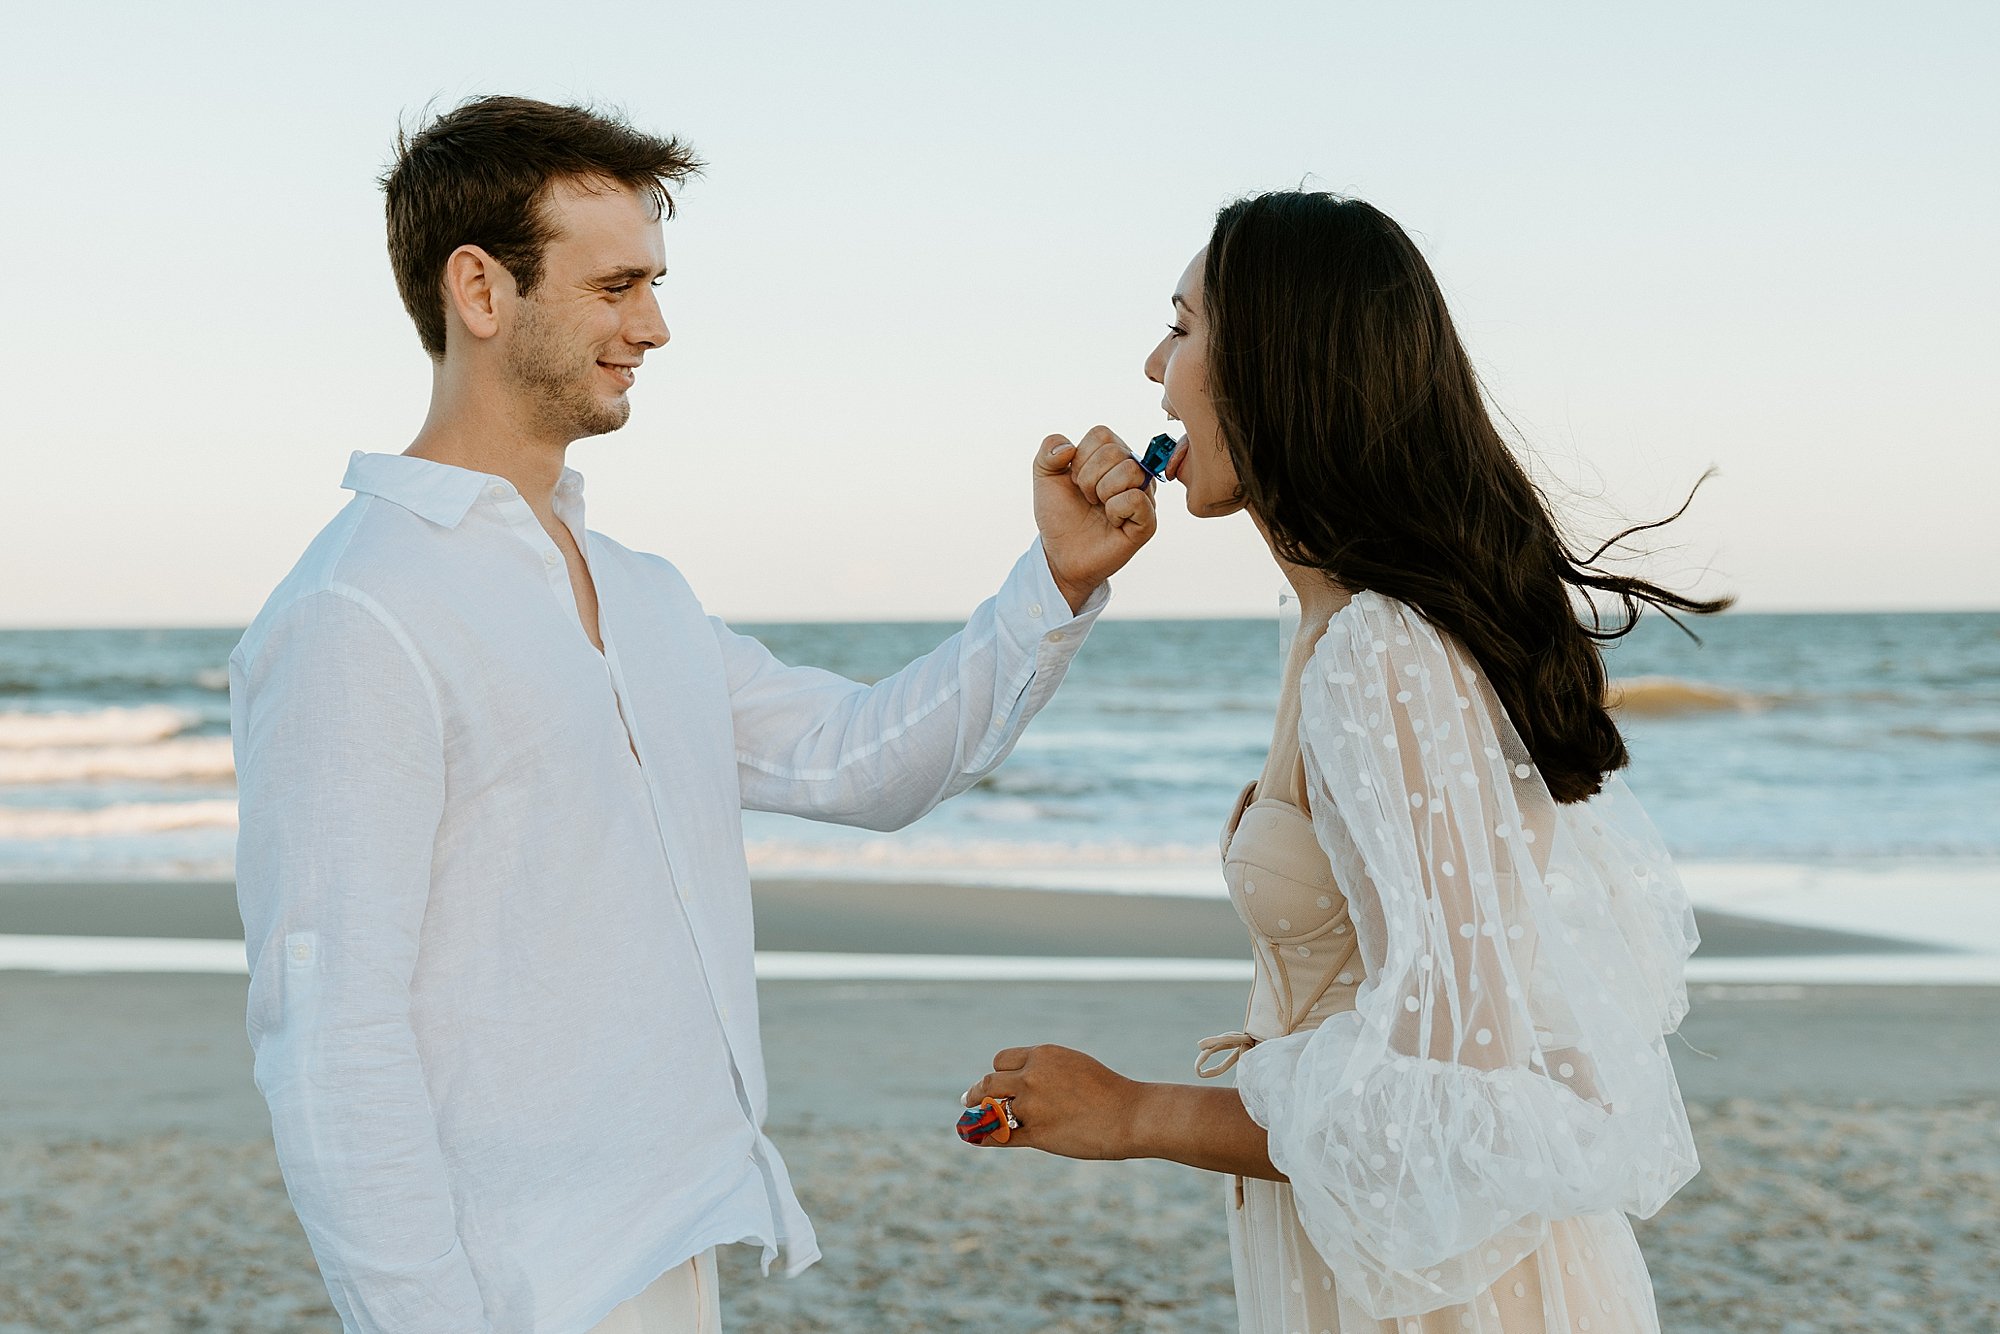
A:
1466, 1129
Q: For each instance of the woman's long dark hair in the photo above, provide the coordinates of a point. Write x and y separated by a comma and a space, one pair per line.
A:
1362, 442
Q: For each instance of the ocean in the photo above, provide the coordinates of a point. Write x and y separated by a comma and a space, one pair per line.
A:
1780, 738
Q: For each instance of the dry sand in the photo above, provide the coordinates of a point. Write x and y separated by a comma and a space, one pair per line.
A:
1851, 1180
1850, 1139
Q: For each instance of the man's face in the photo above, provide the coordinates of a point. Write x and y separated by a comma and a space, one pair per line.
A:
578, 338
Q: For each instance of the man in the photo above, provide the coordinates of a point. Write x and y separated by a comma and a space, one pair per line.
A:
492, 771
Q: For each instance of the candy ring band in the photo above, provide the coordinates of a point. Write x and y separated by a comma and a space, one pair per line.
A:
1007, 1113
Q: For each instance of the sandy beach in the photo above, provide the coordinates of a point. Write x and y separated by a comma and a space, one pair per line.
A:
1851, 1173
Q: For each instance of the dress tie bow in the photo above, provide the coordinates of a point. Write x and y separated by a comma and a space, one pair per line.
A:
1230, 1046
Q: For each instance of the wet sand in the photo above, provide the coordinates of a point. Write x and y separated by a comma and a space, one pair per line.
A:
859, 917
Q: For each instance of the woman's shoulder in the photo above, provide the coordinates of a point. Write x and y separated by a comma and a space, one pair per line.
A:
1373, 626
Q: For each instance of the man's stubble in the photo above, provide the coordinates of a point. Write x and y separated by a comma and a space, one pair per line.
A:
545, 364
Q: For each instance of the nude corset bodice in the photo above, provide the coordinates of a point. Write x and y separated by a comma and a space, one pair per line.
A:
1302, 944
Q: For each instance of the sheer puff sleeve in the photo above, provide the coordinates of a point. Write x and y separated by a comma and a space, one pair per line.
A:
1505, 1065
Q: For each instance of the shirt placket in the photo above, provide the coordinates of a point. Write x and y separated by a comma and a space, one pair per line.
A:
569, 509
678, 880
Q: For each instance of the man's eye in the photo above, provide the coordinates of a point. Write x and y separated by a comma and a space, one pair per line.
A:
656, 282
621, 287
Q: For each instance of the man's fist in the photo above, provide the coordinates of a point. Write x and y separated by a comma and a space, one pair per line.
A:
1094, 506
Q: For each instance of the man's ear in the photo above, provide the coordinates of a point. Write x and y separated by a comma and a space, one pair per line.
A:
477, 290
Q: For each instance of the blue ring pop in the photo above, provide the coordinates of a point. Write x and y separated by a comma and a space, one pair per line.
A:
1159, 453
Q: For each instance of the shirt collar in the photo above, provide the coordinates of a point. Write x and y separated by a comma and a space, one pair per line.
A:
439, 492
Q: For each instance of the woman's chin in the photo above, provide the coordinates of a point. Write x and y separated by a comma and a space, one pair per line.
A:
1211, 509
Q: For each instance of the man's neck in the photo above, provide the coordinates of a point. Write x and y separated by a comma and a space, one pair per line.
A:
477, 431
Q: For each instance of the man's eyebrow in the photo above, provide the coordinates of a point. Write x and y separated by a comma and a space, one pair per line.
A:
630, 273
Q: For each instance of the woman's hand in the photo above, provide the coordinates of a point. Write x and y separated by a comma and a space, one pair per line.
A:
1074, 1105
1067, 1103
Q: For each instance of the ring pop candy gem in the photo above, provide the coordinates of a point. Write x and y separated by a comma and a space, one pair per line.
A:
986, 1121
1159, 453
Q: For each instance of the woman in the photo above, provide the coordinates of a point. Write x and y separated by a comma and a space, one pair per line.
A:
1452, 1085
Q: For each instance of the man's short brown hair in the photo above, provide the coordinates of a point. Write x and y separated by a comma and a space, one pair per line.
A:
478, 174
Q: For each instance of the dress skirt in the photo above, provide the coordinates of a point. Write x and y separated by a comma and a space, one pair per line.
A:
1586, 1278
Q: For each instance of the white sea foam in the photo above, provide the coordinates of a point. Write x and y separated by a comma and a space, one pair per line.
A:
165, 761
112, 954
101, 727
113, 821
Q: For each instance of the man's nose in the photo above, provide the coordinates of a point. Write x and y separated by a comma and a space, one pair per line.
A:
648, 327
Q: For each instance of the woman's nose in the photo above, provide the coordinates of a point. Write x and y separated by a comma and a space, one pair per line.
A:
1156, 363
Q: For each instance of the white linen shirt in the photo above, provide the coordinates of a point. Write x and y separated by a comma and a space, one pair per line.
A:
495, 900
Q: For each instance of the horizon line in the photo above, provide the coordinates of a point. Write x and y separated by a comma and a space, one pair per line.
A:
1109, 615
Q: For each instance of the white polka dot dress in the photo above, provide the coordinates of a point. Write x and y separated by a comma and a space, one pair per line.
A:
1434, 1061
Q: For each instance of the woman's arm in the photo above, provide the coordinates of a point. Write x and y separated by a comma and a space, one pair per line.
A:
1071, 1104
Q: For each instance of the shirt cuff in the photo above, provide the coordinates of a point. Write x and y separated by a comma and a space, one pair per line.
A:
1034, 600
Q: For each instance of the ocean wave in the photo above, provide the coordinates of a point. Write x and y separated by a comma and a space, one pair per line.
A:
213, 680
111, 821
1979, 736
188, 758
101, 727
1665, 696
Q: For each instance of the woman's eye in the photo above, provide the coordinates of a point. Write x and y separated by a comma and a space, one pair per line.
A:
1176, 331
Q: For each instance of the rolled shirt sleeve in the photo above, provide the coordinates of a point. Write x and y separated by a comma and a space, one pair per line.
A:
812, 743
341, 775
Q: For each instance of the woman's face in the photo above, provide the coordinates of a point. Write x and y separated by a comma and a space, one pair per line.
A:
1179, 365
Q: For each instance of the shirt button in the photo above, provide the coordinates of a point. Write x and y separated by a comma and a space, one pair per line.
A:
1035, 610
497, 491
552, 557
302, 952
1057, 636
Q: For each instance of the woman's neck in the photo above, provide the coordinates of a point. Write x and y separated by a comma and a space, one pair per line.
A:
1319, 595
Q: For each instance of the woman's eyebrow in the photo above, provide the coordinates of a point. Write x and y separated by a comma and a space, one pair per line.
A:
1181, 301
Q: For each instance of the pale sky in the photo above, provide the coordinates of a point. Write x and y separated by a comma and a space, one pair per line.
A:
1755, 236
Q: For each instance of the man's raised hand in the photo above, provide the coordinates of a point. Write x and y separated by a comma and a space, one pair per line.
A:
1094, 506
